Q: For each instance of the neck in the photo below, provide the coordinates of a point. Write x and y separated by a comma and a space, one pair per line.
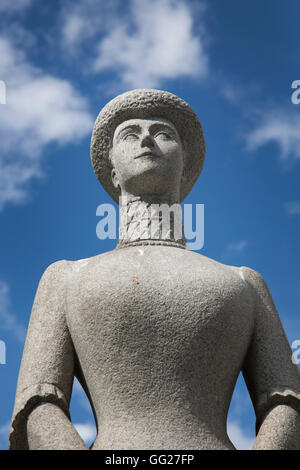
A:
148, 221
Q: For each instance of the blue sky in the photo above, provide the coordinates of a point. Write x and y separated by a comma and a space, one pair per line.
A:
61, 61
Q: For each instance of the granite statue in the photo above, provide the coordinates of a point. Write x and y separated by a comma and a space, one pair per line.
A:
155, 333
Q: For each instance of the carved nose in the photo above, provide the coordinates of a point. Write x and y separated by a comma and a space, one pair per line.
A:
147, 141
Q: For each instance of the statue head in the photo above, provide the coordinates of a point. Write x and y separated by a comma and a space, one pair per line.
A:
147, 158
146, 142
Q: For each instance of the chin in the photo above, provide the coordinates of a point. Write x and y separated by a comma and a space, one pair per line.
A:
151, 181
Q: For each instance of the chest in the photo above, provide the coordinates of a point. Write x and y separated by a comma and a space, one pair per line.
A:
141, 308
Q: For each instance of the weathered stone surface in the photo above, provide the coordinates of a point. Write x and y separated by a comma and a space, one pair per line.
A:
155, 333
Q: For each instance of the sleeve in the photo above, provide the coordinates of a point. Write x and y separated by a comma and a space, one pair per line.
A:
270, 374
47, 367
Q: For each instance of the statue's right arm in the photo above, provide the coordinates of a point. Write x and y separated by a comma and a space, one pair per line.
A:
41, 414
48, 428
273, 380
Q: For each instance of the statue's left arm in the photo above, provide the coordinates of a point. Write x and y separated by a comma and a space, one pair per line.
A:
273, 380
41, 417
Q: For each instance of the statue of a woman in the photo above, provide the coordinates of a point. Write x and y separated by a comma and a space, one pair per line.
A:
155, 333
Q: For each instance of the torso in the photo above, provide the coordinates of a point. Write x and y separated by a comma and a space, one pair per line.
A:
160, 334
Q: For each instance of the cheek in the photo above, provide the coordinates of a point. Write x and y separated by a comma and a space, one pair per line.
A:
126, 151
119, 156
169, 147
123, 162
178, 161
175, 154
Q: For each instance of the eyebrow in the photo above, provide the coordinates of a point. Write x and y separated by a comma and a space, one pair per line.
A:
159, 125
131, 127
153, 127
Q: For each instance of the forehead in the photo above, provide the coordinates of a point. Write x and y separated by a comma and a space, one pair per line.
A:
145, 124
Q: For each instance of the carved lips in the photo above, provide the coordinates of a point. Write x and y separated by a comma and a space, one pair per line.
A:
147, 153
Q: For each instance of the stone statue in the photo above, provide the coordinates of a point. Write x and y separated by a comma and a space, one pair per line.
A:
155, 333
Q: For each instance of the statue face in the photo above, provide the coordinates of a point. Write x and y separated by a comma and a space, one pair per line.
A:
147, 156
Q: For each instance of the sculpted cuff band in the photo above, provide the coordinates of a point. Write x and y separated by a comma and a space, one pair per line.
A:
278, 396
29, 399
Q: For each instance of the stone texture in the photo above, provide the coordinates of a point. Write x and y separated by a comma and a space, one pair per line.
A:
156, 335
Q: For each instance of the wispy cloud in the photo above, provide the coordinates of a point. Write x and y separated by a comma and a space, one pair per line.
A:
7, 6
279, 126
232, 93
292, 208
8, 321
85, 19
87, 431
237, 247
234, 249
41, 109
152, 42
74, 29
4, 431
238, 436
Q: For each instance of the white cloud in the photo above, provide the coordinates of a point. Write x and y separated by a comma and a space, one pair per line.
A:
143, 44
8, 321
156, 44
233, 250
7, 6
87, 431
86, 19
41, 109
238, 436
231, 93
4, 431
237, 247
279, 126
74, 29
293, 208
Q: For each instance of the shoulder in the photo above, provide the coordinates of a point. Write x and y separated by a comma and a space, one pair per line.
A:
87, 266
250, 275
62, 269
242, 274
51, 286
256, 280
259, 289
55, 272
50, 296
247, 277
65, 272
240, 279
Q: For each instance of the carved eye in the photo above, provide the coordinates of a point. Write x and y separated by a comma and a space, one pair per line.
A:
164, 135
130, 136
